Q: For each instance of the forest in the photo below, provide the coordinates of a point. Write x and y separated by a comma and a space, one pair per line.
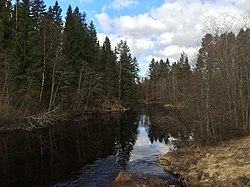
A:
51, 64
212, 98
75, 112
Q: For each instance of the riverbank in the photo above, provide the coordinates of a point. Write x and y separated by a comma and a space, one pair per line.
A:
225, 164
15, 121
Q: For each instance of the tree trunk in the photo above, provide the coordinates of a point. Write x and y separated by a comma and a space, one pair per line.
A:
44, 66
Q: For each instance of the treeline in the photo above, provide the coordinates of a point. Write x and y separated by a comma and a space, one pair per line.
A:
214, 95
166, 81
47, 63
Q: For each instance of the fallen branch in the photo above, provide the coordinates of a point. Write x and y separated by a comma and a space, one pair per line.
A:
42, 119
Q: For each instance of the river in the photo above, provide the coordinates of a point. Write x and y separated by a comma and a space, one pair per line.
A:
80, 153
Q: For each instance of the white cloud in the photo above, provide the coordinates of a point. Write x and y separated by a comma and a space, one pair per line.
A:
140, 26
238, 4
101, 37
104, 22
139, 46
166, 37
120, 4
174, 27
174, 51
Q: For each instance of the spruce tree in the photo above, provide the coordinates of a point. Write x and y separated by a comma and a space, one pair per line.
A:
152, 69
28, 50
38, 48
109, 68
92, 47
128, 74
22, 46
6, 41
38, 9
73, 49
6, 24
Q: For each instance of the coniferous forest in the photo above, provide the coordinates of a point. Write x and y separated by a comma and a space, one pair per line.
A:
75, 112
51, 64
48, 63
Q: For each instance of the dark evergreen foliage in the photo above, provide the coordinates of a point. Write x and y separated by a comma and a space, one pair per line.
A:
48, 65
128, 73
166, 80
110, 71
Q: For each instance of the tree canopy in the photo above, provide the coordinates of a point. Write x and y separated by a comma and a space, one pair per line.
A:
47, 64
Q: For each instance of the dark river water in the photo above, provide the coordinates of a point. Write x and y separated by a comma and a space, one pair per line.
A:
78, 153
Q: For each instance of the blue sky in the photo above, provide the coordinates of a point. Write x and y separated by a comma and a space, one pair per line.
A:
113, 8
161, 29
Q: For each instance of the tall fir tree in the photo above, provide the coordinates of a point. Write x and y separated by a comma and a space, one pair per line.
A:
108, 67
22, 53
38, 9
6, 24
128, 74
48, 61
92, 47
39, 43
73, 45
6, 41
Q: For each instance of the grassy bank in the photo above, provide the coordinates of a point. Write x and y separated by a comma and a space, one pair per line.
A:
225, 164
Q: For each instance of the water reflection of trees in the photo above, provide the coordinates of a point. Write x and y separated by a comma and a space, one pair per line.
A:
41, 157
184, 124
168, 123
128, 132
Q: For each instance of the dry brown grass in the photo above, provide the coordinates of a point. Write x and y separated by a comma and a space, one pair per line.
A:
227, 164
125, 179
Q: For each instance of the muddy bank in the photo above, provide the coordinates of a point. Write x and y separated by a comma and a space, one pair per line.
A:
225, 164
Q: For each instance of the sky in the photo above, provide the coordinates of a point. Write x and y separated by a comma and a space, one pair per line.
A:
161, 29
